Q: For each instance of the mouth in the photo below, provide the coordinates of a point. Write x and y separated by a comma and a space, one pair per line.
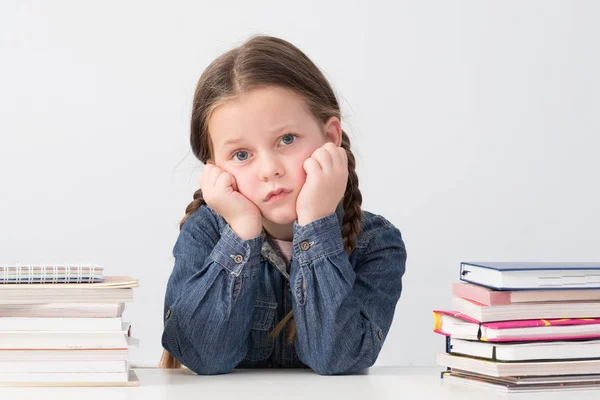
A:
278, 194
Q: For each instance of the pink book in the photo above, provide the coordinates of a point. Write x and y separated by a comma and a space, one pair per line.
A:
492, 297
458, 325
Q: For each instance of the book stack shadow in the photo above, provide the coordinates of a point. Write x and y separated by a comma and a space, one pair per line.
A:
62, 325
522, 327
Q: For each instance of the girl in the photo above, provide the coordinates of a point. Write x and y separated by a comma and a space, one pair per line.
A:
276, 231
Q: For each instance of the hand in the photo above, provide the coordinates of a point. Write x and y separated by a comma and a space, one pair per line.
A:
219, 190
326, 179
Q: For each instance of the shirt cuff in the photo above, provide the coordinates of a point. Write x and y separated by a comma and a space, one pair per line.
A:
233, 252
317, 239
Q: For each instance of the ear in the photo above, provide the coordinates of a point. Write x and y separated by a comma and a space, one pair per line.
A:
333, 131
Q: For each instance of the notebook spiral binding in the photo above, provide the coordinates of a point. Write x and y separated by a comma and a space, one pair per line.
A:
45, 273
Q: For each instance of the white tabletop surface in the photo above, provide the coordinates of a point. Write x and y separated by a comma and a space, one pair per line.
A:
398, 383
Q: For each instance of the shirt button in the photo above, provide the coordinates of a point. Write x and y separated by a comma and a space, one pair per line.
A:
380, 334
305, 245
238, 259
168, 314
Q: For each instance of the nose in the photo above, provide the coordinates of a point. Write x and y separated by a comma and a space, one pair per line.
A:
270, 167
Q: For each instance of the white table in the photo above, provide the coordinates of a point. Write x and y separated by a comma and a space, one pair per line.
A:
398, 383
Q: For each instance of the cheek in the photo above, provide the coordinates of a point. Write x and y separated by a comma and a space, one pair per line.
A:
241, 180
298, 168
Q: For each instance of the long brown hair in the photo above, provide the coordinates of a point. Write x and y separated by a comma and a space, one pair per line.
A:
264, 61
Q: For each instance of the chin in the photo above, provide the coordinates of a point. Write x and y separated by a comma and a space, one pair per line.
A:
281, 217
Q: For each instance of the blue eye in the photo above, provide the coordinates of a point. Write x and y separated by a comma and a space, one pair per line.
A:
287, 139
241, 152
289, 135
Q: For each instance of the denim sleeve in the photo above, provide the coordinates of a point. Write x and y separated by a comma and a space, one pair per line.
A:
342, 313
210, 295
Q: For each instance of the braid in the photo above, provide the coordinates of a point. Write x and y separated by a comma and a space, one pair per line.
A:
350, 227
352, 201
167, 360
193, 206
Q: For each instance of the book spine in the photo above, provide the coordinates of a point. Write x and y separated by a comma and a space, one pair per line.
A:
480, 294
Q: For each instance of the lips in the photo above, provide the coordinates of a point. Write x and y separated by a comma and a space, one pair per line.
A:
275, 193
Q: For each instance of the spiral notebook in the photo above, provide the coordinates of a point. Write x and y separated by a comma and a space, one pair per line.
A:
51, 273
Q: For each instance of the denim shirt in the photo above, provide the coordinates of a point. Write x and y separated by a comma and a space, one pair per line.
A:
226, 294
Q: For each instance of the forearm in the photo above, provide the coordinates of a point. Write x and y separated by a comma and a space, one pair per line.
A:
343, 312
208, 314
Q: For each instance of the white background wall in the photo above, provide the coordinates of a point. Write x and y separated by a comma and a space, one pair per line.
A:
475, 126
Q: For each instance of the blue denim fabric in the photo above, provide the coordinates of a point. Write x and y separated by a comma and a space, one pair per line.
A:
226, 294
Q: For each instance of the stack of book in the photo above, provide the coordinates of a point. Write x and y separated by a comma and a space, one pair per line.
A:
523, 326
61, 325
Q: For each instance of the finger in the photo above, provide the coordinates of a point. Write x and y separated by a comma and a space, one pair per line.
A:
213, 174
223, 181
335, 154
312, 167
340, 157
323, 156
234, 183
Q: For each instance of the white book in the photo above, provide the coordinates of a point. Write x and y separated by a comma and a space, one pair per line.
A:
63, 377
109, 283
493, 368
63, 340
60, 324
62, 310
527, 351
532, 275
520, 311
62, 366
16, 296
64, 355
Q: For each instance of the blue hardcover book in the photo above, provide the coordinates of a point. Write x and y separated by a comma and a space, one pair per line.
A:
532, 275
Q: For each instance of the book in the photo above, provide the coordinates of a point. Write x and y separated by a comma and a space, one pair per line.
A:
52, 366
71, 310
526, 351
532, 275
522, 384
63, 340
71, 379
493, 297
543, 310
105, 354
63, 377
109, 282
60, 324
64, 296
496, 368
114, 289
458, 325
55, 273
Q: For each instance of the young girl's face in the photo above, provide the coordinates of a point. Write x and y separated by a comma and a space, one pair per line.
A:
263, 138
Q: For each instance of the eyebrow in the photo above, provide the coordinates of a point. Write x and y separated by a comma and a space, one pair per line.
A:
232, 141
